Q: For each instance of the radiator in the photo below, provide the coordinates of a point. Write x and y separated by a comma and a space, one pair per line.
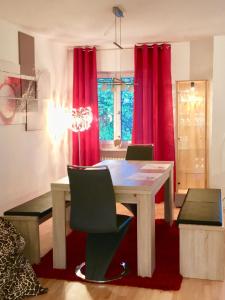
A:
108, 154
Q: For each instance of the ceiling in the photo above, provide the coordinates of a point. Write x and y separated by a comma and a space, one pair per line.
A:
91, 22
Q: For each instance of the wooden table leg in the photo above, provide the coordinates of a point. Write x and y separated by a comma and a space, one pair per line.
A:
59, 229
145, 235
169, 199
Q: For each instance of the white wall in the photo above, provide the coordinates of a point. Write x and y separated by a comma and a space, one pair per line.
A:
217, 158
109, 60
180, 70
30, 160
9, 44
180, 61
201, 59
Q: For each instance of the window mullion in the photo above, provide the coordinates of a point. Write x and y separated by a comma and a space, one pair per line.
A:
117, 113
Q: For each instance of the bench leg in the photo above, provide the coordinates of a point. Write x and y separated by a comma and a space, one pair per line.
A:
28, 227
202, 253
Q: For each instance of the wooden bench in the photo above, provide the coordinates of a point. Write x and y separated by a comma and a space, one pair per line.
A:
26, 218
202, 235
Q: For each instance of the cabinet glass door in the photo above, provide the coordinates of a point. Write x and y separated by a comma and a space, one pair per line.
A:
191, 134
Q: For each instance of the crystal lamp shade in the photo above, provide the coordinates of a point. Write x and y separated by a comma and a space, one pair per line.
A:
81, 118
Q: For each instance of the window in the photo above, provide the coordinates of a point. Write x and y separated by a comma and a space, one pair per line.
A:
127, 105
106, 109
115, 103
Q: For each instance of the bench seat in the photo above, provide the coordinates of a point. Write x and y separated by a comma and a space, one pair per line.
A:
202, 207
39, 207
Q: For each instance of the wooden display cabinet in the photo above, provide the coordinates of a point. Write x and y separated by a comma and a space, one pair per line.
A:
191, 125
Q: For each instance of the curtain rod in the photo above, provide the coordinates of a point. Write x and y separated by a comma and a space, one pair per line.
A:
156, 43
124, 48
99, 49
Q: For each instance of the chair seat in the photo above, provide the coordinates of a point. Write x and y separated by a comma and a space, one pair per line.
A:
201, 207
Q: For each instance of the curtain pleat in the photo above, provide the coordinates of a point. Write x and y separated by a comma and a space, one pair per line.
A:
153, 104
84, 95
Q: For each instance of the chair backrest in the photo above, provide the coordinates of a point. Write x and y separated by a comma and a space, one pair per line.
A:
140, 152
93, 205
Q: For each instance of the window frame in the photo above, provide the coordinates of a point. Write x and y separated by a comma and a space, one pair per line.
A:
117, 118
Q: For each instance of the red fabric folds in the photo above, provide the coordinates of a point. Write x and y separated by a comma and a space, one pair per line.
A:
85, 94
165, 277
153, 104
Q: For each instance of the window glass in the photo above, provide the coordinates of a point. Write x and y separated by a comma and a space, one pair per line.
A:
105, 109
122, 118
127, 104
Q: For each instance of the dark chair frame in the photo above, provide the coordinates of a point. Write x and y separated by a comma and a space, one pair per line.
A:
140, 152
93, 210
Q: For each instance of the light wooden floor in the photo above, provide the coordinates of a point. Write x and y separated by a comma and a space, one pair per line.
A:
191, 289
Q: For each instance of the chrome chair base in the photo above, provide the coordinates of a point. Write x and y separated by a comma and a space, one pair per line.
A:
79, 273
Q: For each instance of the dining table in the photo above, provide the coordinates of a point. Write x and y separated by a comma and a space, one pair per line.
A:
134, 182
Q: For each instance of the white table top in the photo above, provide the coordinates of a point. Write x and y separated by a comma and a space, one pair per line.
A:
141, 176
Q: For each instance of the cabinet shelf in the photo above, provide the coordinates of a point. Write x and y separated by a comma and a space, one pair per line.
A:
191, 120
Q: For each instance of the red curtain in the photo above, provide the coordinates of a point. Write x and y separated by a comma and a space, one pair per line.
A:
85, 94
153, 104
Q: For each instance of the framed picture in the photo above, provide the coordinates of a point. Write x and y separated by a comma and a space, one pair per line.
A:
10, 95
19, 101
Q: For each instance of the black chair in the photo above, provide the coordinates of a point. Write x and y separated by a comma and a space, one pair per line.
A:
93, 210
140, 152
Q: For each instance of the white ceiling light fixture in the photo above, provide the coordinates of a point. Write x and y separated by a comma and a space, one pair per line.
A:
117, 80
118, 15
117, 41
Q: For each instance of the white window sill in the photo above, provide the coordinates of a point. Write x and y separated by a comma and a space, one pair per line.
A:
109, 145
113, 149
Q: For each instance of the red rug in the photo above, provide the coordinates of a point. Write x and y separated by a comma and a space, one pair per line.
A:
165, 277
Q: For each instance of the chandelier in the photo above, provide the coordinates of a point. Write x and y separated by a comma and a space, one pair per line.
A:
81, 118
117, 80
81, 121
